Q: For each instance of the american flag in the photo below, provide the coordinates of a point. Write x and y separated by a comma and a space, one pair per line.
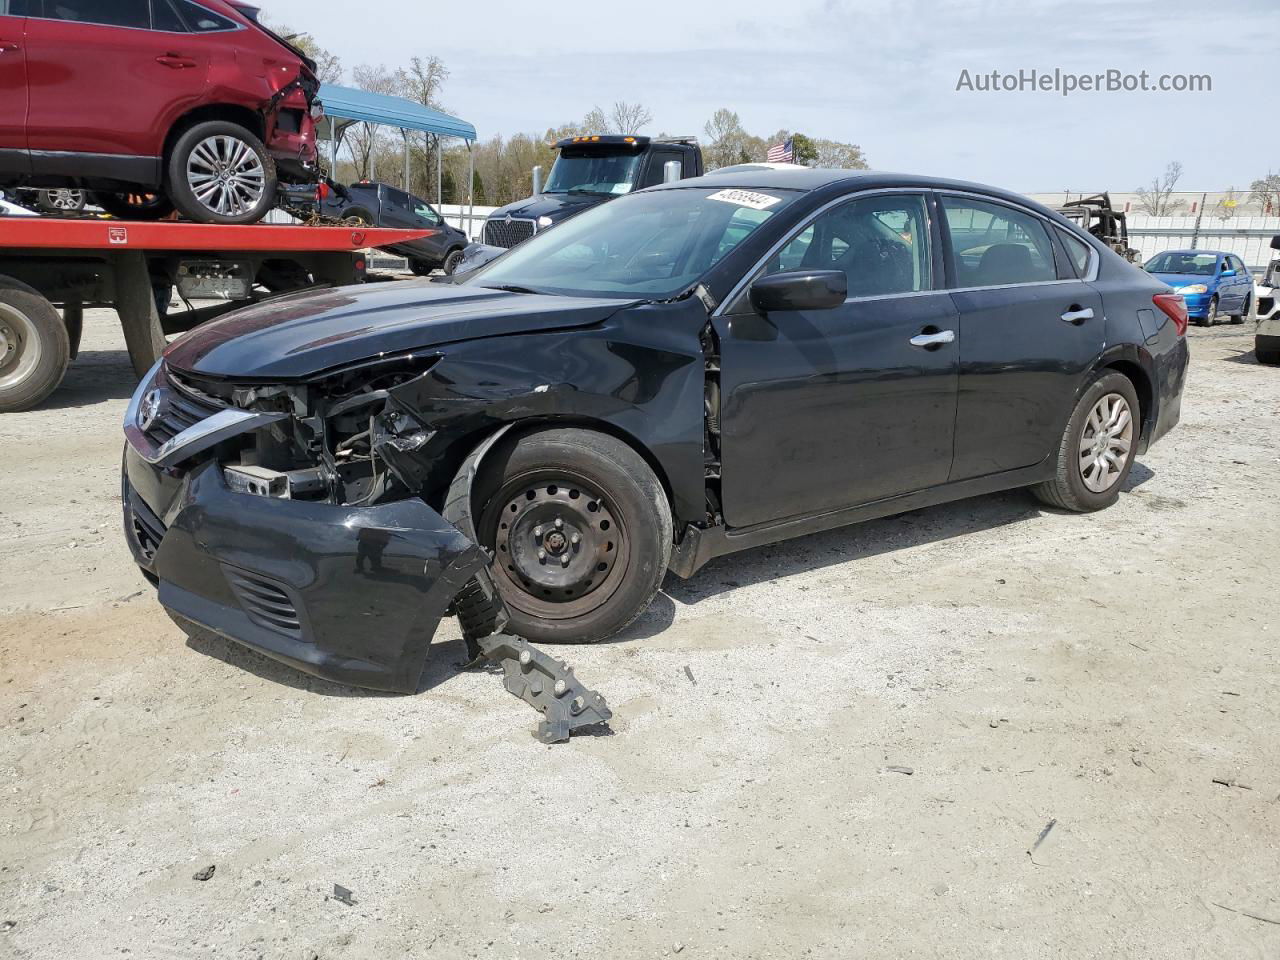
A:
781, 153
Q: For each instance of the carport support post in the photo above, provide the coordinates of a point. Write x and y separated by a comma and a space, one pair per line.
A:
136, 305
439, 175
404, 135
471, 187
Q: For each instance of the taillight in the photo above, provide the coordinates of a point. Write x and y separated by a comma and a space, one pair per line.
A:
1175, 308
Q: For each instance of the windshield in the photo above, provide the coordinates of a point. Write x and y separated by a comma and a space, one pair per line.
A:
651, 244
593, 171
1197, 264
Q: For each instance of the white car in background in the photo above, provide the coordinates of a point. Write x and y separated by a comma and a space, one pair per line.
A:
11, 209
1266, 294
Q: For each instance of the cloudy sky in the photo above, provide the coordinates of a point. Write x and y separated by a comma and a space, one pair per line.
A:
880, 73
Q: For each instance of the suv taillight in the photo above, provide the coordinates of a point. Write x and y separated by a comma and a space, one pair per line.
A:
1175, 308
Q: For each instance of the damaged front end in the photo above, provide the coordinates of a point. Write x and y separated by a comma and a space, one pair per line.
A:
286, 517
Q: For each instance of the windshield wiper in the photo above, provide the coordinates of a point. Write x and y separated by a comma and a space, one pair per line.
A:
594, 193
509, 288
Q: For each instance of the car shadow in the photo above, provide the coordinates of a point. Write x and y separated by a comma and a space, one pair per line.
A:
1247, 357
92, 377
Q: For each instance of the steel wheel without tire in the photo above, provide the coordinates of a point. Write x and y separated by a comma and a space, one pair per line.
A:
580, 530
1097, 448
34, 347
220, 173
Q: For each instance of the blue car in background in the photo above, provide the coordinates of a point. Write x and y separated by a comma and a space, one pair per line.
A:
1212, 282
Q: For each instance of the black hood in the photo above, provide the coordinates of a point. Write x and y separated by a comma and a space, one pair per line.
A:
299, 336
557, 206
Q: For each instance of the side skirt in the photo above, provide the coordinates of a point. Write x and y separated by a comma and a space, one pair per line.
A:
699, 546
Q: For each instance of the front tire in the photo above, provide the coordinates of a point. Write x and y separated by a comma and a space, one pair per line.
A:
219, 172
1211, 314
34, 347
1097, 448
580, 530
452, 262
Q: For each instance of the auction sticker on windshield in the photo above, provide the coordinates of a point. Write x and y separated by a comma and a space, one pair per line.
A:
745, 198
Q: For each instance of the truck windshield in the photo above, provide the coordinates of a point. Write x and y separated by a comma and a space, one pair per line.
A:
593, 171
653, 244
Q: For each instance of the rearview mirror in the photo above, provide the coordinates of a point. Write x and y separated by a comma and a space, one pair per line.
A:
800, 290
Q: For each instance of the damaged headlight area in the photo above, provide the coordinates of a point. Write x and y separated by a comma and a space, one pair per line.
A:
338, 438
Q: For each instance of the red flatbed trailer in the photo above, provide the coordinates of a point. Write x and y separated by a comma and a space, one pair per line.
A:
48, 263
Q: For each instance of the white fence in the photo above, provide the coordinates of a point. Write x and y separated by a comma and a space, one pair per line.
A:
1249, 238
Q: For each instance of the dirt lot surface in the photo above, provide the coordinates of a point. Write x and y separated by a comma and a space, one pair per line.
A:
1114, 677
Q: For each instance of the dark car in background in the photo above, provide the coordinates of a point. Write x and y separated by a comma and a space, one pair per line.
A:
1213, 283
191, 100
382, 205
589, 171
690, 370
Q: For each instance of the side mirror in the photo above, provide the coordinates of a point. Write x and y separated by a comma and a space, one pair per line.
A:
1228, 272
1275, 242
800, 290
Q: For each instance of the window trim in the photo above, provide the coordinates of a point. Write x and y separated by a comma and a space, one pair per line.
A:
737, 290
1094, 262
235, 25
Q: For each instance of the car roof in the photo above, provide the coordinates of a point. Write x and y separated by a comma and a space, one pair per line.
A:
1211, 253
750, 176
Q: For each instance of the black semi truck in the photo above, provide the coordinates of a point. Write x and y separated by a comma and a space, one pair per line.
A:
591, 170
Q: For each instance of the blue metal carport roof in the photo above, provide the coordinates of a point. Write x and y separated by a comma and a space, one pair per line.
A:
347, 103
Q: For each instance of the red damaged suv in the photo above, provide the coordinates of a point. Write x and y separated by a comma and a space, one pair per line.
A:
190, 100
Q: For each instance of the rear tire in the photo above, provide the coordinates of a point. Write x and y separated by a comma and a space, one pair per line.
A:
452, 261
1076, 485
1268, 356
34, 347
358, 215
219, 172
590, 575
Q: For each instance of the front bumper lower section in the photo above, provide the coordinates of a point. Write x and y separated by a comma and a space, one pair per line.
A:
350, 594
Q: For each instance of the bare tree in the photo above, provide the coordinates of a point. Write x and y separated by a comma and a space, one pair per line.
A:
422, 83
328, 63
628, 117
1158, 199
837, 155
1266, 193
726, 140
1226, 208
365, 140
595, 121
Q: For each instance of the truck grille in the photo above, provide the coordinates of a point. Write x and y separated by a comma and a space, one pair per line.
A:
508, 232
267, 603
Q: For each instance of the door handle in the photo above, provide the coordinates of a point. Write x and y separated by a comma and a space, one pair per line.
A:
7, 45
937, 339
174, 61
1077, 316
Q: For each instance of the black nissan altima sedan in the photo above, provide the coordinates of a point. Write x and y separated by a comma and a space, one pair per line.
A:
690, 370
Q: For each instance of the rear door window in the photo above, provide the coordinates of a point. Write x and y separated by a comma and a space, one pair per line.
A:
1077, 253
165, 18
994, 245
111, 13
203, 20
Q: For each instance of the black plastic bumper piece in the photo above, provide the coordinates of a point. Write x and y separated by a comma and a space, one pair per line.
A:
350, 594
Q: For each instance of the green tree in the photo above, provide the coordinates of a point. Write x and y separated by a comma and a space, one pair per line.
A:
804, 149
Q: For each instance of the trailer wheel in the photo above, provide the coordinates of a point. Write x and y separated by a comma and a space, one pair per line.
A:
219, 172
34, 347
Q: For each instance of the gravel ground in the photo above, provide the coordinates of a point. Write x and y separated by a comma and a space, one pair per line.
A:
884, 720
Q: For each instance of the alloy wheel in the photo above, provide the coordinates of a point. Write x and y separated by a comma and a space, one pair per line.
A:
65, 198
1105, 442
559, 545
226, 175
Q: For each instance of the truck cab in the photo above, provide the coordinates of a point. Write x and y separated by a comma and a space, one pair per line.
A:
588, 171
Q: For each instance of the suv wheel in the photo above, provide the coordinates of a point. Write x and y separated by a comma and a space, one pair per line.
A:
580, 531
452, 261
1097, 448
219, 172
